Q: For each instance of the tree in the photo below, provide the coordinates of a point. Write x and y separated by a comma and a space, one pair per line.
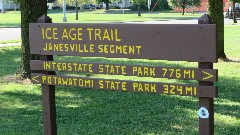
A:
234, 12
76, 3
183, 4
140, 3
160, 5
216, 12
31, 10
106, 2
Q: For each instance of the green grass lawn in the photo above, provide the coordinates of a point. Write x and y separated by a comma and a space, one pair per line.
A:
10, 41
232, 40
93, 16
88, 112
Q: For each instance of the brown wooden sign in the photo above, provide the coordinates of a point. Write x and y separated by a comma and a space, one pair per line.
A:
127, 70
193, 43
140, 41
126, 85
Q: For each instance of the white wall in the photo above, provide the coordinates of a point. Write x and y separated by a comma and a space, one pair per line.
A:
8, 6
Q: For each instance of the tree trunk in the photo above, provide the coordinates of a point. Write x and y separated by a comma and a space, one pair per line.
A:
139, 10
31, 10
234, 12
76, 10
183, 7
215, 11
107, 5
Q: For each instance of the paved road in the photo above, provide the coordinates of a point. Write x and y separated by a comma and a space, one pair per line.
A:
192, 21
15, 33
10, 34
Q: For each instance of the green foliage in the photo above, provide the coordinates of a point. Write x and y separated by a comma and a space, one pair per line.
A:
134, 7
105, 1
236, 1
161, 5
73, 2
183, 4
15, 1
140, 2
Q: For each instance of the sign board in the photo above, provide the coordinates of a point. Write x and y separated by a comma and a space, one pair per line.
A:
137, 41
126, 85
188, 43
174, 42
127, 70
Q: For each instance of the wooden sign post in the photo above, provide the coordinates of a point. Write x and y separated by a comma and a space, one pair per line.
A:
192, 43
206, 124
48, 94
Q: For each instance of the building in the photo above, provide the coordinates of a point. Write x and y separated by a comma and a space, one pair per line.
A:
204, 7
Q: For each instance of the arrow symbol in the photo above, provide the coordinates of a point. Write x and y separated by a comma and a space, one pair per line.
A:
34, 78
208, 75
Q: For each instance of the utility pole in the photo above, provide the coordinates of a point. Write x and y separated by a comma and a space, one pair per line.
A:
64, 11
3, 11
149, 4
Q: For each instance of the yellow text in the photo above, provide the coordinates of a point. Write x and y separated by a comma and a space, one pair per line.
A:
143, 71
49, 33
178, 73
112, 69
179, 90
144, 87
121, 49
72, 34
69, 47
113, 85
63, 66
103, 34
67, 81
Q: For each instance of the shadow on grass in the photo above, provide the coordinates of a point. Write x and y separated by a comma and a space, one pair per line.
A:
229, 89
105, 112
10, 60
84, 111
20, 113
